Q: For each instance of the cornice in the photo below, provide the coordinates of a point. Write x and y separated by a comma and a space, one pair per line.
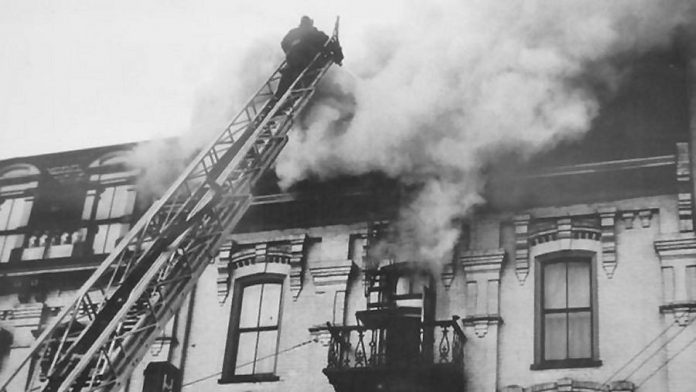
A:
482, 260
682, 244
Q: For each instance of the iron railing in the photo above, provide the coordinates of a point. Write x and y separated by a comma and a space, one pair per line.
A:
438, 342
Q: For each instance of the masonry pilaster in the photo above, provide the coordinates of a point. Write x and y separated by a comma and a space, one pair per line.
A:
482, 273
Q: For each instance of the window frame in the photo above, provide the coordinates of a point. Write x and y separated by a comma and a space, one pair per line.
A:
23, 187
541, 261
107, 172
233, 330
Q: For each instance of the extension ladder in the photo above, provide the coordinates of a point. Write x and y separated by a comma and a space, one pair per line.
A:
96, 342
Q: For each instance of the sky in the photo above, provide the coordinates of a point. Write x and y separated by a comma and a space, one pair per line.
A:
429, 93
78, 74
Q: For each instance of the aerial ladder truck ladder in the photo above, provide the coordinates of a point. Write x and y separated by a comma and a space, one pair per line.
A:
96, 342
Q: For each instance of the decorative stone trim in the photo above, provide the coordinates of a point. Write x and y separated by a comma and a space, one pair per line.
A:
331, 275
67, 173
481, 323
482, 271
684, 196
521, 247
676, 247
682, 312
570, 385
483, 261
223, 268
628, 217
286, 250
608, 226
645, 218
599, 227
320, 334
297, 258
563, 229
677, 252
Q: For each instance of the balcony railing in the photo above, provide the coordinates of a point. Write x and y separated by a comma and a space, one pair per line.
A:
51, 244
438, 342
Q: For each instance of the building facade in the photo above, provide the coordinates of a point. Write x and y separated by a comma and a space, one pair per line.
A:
579, 274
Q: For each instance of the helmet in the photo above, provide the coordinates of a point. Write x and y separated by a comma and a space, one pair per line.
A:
306, 21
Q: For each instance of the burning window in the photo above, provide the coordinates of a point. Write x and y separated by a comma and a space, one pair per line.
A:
566, 313
17, 185
109, 203
254, 327
403, 286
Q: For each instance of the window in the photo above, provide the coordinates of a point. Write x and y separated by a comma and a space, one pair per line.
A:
110, 204
254, 326
691, 282
403, 285
16, 201
566, 313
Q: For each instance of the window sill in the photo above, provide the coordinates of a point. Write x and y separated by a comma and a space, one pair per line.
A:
566, 364
249, 378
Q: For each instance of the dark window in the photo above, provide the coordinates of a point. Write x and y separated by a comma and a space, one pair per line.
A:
17, 186
113, 204
254, 327
566, 332
109, 205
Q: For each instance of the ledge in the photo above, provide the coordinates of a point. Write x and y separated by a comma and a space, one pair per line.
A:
34, 267
566, 364
249, 378
681, 305
489, 318
675, 244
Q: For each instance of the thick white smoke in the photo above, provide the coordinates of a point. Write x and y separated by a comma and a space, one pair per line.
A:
219, 98
454, 84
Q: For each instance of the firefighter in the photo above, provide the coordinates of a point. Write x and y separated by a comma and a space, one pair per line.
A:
300, 45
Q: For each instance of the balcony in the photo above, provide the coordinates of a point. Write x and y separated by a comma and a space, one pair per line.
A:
46, 252
402, 354
51, 245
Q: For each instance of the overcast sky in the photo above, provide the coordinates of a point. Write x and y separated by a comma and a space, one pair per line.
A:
76, 74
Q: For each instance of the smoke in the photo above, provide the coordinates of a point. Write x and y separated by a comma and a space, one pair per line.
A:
454, 85
237, 77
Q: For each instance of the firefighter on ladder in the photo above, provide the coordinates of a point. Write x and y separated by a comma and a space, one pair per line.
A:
300, 45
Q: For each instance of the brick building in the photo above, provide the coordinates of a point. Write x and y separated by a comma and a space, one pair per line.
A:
579, 274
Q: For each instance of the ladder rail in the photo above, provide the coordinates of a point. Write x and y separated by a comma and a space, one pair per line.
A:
141, 244
142, 346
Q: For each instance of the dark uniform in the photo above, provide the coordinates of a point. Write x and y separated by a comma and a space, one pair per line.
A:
300, 45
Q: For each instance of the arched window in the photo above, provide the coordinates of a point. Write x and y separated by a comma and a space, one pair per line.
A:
109, 202
17, 185
253, 330
566, 333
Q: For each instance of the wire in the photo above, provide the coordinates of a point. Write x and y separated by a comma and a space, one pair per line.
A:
666, 362
250, 362
657, 351
660, 348
638, 354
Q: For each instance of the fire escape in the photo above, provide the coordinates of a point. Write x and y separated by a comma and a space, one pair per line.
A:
397, 345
